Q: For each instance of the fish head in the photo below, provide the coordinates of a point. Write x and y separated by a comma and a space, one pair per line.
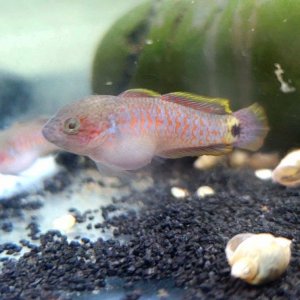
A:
78, 127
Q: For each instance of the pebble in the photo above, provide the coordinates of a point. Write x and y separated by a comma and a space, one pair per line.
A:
162, 294
239, 158
204, 191
259, 160
206, 162
264, 160
263, 174
64, 223
179, 193
7, 226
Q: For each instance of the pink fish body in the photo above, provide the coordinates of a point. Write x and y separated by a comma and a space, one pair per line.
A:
125, 132
21, 145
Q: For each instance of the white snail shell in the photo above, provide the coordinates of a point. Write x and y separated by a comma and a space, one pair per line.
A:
288, 171
258, 258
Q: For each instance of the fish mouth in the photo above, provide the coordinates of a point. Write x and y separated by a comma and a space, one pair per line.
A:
50, 132
53, 134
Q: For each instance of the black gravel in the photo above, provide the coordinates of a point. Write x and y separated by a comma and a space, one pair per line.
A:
180, 240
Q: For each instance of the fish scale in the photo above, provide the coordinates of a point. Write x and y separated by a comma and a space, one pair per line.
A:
145, 114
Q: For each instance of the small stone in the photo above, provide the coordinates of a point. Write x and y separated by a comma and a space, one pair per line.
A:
204, 191
265, 208
7, 226
264, 174
162, 294
65, 222
238, 159
206, 162
263, 160
98, 225
179, 192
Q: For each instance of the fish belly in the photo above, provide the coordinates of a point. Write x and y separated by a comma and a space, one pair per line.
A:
127, 153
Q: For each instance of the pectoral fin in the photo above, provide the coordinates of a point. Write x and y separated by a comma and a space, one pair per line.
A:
113, 171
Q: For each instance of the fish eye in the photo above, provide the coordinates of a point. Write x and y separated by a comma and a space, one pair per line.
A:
71, 126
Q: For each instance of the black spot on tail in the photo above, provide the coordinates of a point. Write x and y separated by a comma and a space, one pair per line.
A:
235, 130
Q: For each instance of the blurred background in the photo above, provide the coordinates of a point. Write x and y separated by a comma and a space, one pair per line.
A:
46, 52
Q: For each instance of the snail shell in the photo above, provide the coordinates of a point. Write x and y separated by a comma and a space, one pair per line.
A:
288, 171
258, 258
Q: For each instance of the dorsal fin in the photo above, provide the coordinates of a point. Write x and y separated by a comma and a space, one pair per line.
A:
140, 93
206, 104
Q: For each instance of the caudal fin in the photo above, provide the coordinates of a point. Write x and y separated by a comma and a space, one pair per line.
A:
253, 127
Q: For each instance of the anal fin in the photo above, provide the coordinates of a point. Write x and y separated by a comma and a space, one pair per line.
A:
196, 151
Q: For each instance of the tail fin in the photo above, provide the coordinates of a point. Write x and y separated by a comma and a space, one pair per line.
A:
253, 127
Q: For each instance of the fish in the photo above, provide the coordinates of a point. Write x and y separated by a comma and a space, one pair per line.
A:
21, 144
126, 132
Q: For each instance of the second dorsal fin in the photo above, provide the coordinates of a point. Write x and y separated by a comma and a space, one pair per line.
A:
139, 93
206, 104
